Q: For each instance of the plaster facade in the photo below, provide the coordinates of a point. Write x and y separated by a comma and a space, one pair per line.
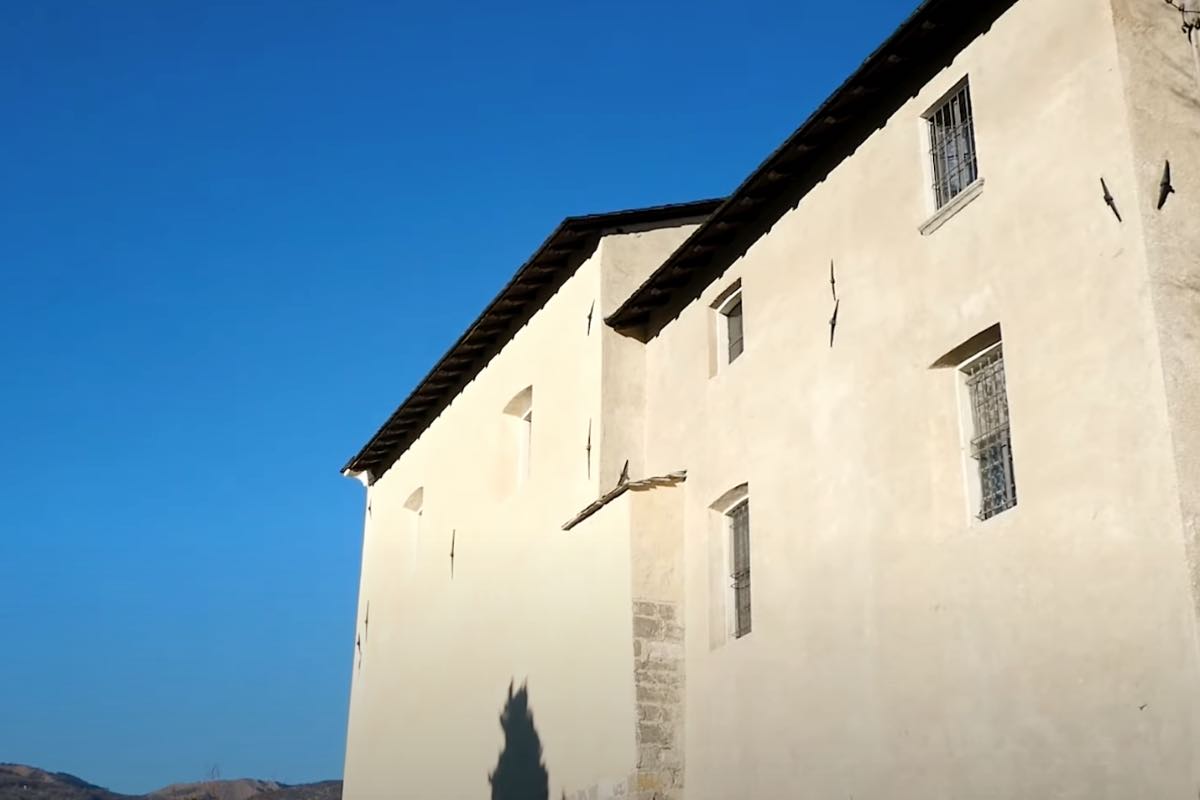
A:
900, 647
526, 603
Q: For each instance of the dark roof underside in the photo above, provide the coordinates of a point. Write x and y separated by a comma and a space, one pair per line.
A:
923, 44
535, 282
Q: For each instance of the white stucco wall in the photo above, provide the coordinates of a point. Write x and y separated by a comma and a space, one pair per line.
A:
1160, 69
527, 602
900, 647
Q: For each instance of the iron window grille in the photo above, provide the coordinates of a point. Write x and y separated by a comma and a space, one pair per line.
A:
739, 526
991, 445
952, 146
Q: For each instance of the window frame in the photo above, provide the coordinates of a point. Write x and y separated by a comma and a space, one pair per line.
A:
739, 574
722, 557
947, 184
414, 508
525, 446
982, 472
518, 415
729, 300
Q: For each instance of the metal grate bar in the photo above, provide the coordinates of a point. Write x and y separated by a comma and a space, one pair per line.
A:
739, 523
991, 446
952, 146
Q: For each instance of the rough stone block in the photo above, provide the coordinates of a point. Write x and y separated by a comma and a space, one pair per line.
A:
649, 782
660, 678
647, 628
649, 713
659, 668
653, 733
645, 608
662, 694
662, 651
648, 756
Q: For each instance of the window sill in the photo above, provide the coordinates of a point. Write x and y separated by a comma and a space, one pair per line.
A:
996, 522
725, 369
960, 201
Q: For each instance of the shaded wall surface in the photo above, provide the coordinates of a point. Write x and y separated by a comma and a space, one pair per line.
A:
441, 639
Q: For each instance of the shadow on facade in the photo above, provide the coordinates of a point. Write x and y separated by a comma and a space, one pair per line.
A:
520, 773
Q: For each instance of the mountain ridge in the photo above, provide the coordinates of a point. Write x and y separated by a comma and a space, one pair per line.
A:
22, 782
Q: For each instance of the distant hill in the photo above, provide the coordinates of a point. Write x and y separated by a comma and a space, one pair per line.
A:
19, 782
242, 789
30, 783
322, 790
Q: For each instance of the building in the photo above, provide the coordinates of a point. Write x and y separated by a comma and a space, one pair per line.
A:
878, 478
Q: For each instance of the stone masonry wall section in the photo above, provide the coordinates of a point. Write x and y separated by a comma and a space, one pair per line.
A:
658, 680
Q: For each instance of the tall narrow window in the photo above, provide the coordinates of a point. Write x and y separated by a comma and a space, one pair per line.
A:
952, 145
519, 414
991, 440
733, 318
415, 508
731, 331
524, 445
739, 549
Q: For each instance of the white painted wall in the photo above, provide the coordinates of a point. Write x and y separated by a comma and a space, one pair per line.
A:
900, 647
528, 602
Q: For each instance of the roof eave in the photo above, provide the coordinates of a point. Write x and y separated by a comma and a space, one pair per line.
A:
819, 132
555, 260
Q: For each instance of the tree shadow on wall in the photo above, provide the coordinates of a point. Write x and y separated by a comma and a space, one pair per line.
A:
520, 773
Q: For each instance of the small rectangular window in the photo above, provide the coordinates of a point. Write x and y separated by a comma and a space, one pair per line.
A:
952, 145
733, 318
519, 417
991, 441
730, 327
739, 530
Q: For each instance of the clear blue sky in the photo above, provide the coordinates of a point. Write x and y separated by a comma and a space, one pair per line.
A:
233, 235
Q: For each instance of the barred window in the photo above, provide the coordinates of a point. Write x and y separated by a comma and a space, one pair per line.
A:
952, 146
739, 528
991, 442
